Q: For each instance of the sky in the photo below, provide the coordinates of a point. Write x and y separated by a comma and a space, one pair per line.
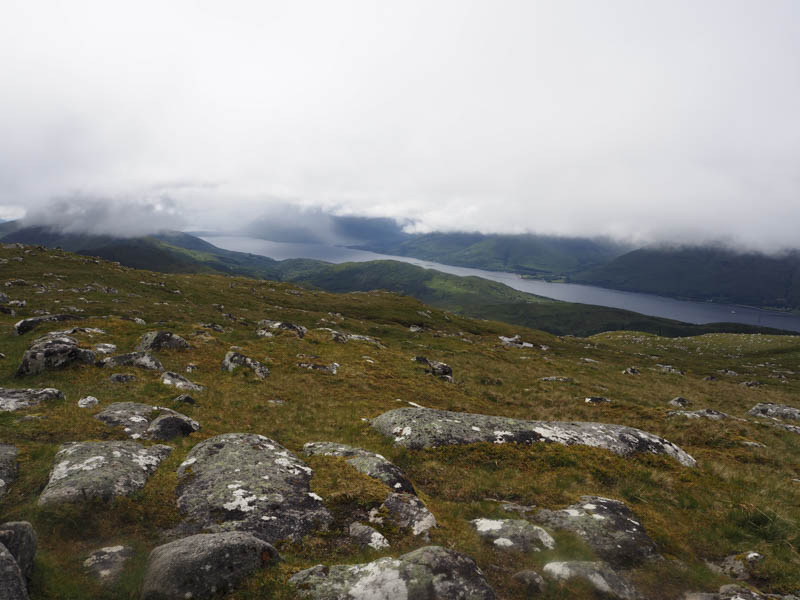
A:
647, 121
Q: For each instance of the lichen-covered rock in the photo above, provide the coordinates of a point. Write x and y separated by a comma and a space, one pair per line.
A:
364, 535
53, 352
429, 573
331, 369
267, 326
204, 565
88, 402
12, 583
8, 467
100, 470
179, 381
105, 348
739, 566
248, 482
342, 337
775, 411
371, 464
17, 399
20, 540
146, 421
703, 413
107, 564
514, 534
142, 360
234, 360
406, 510
160, 340
25, 325
436, 368
602, 577
418, 428
607, 526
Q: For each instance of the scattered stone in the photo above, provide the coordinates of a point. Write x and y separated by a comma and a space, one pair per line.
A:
213, 327
556, 378
26, 325
417, 428
234, 360
179, 381
669, 369
429, 573
596, 400
515, 342
122, 377
161, 340
191, 368
331, 369
53, 352
342, 338
679, 401
728, 372
751, 384
406, 510
371, 464
17, 399
146, 421
415, 329
265, 325
8, 467
105, 348
20, 540
12, 583
364, 535
107, 564
598, 574
87, 402
607, 526
514, 534
703, 413
436, 368
204, 565
775, 411
248, 482
631, 371
142, 360
102, 470
530, 580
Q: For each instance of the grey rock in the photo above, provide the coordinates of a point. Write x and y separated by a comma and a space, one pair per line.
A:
105, 348
530, 580
596, 400
20, 540
436, 368
234, 360
17, 399
342, 337
514, 534
751, 384
515, 342
76, 330
556, 378
733, 592
406, 510
179, 381
8, 467
146, 421
267, 326
160, 340
142, 360
191, 368
679, 401
775, 411
602, 577
87, 402
26, 325
12, 583
122, 377
248, 482
739, 566
53, 352
631, 371
370, 463
703, 413
106, 564
101, 470
607, 526
204, 565
670, 370
3, 298
417, 428
170, 424
331, 369
366, 536
185, 398
213, 327
429, 573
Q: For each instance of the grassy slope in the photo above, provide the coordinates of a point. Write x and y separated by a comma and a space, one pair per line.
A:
738, 499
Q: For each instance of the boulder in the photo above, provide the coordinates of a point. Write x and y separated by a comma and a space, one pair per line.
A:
406, 510
417, 428
20, 540
149, 422
703, 413
679, 402
602, 577
429, 573
27, 325
343, 338
204, 565
775, 411
88, 402
530, 581
160, 340
248, 482
436, 368
371, 464
100, 470
107, 564
122, 378
514, 534
17, 399
331, 369
12, 583
179, 381
53, 352
739, 566
234, 360
142, 360
608, 526
8, 467
366, 536
514, 342
266, 327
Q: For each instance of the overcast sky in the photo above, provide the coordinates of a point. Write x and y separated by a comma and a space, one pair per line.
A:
674, 120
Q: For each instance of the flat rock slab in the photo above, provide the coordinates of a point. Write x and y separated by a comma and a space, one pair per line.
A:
248, 482
20, 540
18, 399
370, 463
106, 564
418, 428
53, 352
102, 470
160, 340
608, 526
601, 576
12, 583
146, 421
8, 467
142, 360
775, 411
27, 325
430, 573
204, 565
514, 534
233, 360
179, 381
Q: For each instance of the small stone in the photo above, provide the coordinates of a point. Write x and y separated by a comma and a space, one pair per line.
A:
179, 381
597, 400
185, 398
107, 564
365, 535
122, 377
679, 401
87, 402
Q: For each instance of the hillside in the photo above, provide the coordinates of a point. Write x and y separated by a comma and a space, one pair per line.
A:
663, 518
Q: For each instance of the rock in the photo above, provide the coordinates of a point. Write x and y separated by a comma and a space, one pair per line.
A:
25, 325
160, 340
204, 565
248, 482
530, 580
105, 348
142, 360
436, 368
751, 384
607, 526
429, 573
514, 534
170, 424
737, 566
331, 369
20, 540
149, 422
556, 378
213, 327
670, 369
191, 368
709, 378
3, 298
775, 411
179, 381
371, 464
102, 470
107, 564
631, 371
406, 510
734, 592
234, 360
679, 401
417, 428
122, 377
364, 535
598, 574
185, 398
87, 402
597, 400
12, 583
515, 342
53, 352
16, 399
265, 325
703, 413
8, 467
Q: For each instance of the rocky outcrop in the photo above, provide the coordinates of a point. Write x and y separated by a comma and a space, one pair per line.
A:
106, 564
204, 565
429, 573
20, 540
26, 325
514, 534
417, 428
161, 340
436, 368
406, 511
149, 422
248, 482
8, 467
12, 583
371, 464
234, 360
598, 574
179, 381
18, 399
100, 470
142, 360
267, 328
607, 526
775, 411
53, 352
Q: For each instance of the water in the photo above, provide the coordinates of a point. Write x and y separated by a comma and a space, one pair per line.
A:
648, 304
